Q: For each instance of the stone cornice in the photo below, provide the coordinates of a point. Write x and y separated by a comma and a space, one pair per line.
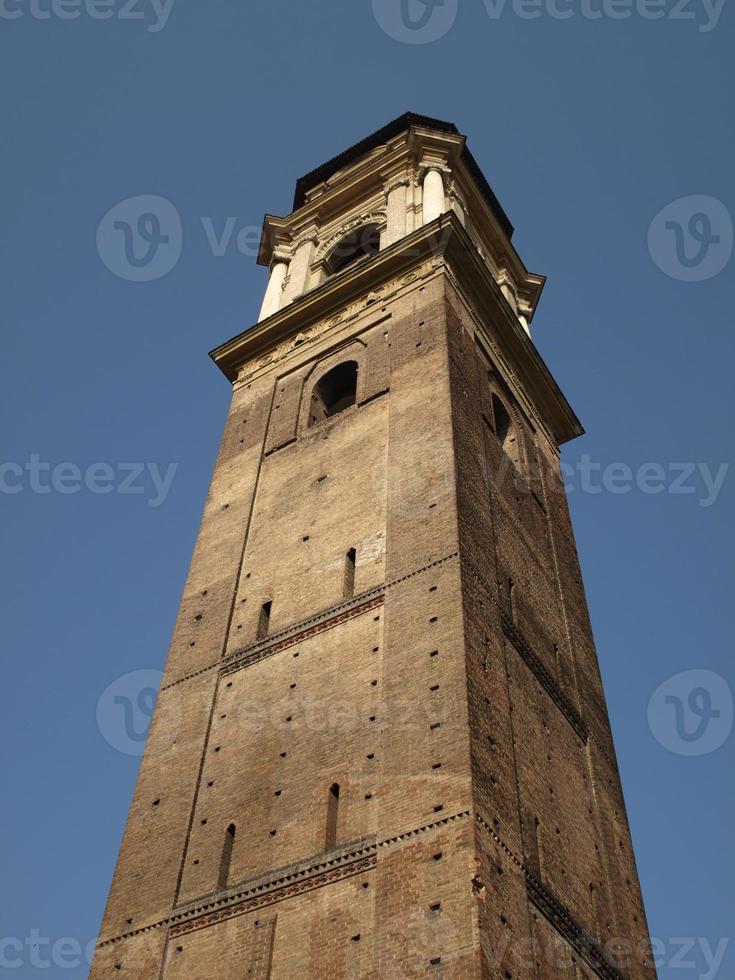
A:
443, 243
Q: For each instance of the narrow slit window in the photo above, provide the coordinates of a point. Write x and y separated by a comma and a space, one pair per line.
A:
349, 582
264, 621
224, 866
330, 840
511, 600
506, 432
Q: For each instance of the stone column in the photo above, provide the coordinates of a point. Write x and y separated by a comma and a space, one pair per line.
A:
274, 291
433, 202
395, 227
298, 273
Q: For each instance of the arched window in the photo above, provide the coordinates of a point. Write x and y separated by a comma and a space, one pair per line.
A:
332, 814
355, 245
505, 430
333, 393
224, 866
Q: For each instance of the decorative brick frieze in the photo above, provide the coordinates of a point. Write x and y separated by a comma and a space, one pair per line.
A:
544, 678
325, 620
294, 879
564, 922
276, 894
300, 632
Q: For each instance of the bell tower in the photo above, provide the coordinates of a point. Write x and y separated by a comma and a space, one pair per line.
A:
381, 747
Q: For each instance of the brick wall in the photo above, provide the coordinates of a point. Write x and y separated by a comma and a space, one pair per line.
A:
464, 726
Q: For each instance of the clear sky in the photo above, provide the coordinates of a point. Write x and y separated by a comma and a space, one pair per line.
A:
588, 118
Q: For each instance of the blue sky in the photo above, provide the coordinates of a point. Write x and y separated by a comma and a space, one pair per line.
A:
588, 119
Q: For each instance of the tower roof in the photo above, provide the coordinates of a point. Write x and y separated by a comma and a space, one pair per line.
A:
389, 131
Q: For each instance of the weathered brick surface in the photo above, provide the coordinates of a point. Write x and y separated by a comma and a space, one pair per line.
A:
466, 729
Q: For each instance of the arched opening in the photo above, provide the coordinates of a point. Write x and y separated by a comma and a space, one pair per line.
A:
355, 245
505, 430
330, 840
224, 866
333, 393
